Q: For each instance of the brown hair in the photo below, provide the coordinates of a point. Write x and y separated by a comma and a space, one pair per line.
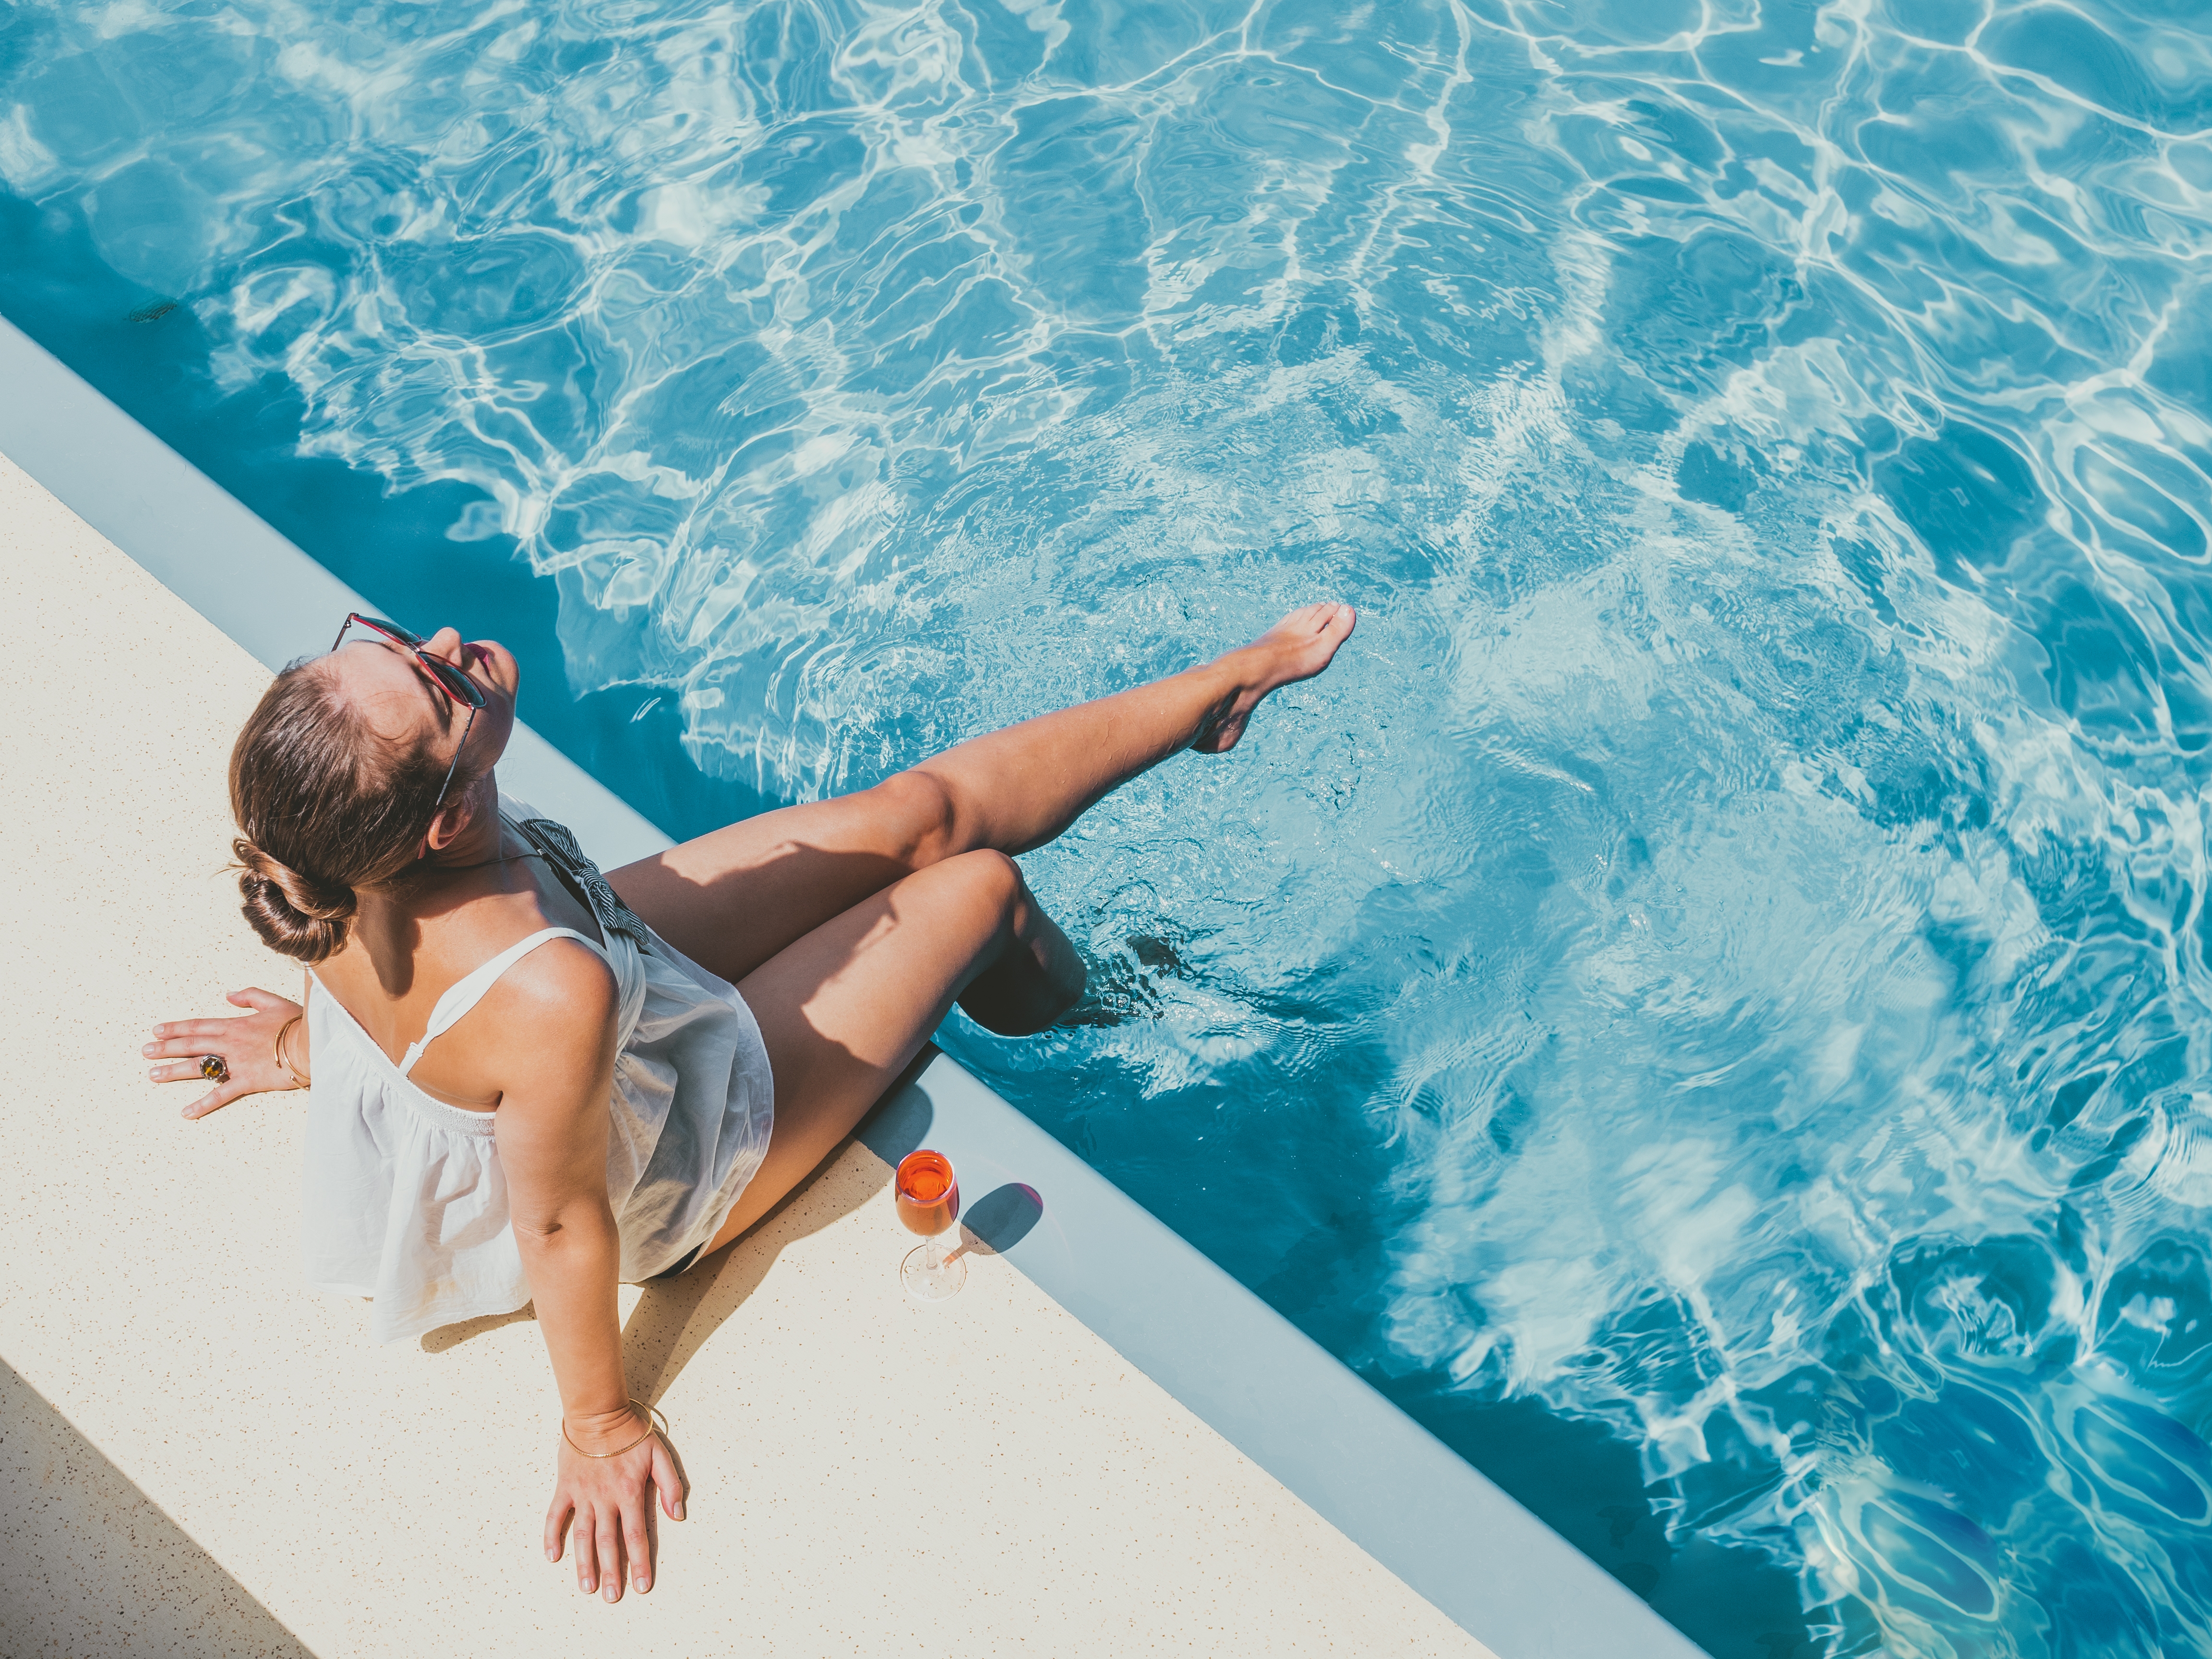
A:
323, 807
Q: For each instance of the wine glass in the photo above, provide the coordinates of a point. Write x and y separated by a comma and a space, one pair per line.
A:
928, 1204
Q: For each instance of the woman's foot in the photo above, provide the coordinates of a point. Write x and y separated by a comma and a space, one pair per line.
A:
1296, 648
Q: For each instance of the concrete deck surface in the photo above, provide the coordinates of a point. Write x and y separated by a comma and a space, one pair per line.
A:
198, 1456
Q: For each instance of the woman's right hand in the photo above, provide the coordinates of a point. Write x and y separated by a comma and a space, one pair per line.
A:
607, 1499
246, 1043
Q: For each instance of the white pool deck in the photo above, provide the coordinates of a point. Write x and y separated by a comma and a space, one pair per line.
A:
199, 1455
1103, 1445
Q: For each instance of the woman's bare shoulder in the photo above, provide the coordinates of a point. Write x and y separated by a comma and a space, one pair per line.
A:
565, 980
549, 1016
545, 1036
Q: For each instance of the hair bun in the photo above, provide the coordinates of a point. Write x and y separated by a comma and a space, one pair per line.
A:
325, 806
294, 914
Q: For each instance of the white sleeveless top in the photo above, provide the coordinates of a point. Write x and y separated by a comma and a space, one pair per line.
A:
406, 1200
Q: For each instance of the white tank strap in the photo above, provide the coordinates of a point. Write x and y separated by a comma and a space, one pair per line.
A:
464, 993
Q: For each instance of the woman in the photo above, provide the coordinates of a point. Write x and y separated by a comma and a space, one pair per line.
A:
534, 1083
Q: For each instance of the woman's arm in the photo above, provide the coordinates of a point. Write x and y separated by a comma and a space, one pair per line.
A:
554, 1056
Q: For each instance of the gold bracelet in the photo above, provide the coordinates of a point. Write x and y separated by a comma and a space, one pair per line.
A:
284, 1031
651, 1412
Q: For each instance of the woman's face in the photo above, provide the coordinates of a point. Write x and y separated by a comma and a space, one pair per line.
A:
404, 703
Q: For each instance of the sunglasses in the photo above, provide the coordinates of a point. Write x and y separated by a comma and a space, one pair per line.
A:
449, 679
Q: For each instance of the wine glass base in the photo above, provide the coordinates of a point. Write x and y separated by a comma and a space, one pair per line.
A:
927, 1283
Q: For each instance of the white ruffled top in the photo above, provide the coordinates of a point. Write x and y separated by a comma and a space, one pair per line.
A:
405, 1200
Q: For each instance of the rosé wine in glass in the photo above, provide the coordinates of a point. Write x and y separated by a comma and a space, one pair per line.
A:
928, 1196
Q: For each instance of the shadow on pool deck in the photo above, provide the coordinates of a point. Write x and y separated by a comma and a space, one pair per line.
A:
674, 1319
94, 1565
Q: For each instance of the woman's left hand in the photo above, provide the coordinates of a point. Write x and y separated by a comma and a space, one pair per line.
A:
608, 1500
246, 1043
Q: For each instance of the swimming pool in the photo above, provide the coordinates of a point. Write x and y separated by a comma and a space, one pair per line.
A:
1705, 1005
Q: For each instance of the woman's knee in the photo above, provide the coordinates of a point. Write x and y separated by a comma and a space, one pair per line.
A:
1030, 974
920, 819
993, 880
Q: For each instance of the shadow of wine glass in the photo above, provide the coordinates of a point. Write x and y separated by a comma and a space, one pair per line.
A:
1000, 1219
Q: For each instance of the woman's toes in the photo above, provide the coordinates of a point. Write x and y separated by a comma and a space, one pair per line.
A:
1306, 619
1330, 626
1303, 626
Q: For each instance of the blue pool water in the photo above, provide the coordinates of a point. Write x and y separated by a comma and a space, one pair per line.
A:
1706, 1004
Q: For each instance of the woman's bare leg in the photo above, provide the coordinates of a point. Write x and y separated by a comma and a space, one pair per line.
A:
844, 1009
733, 899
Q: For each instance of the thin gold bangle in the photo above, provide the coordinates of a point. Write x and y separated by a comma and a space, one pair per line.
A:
284, 1031
651, 1412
